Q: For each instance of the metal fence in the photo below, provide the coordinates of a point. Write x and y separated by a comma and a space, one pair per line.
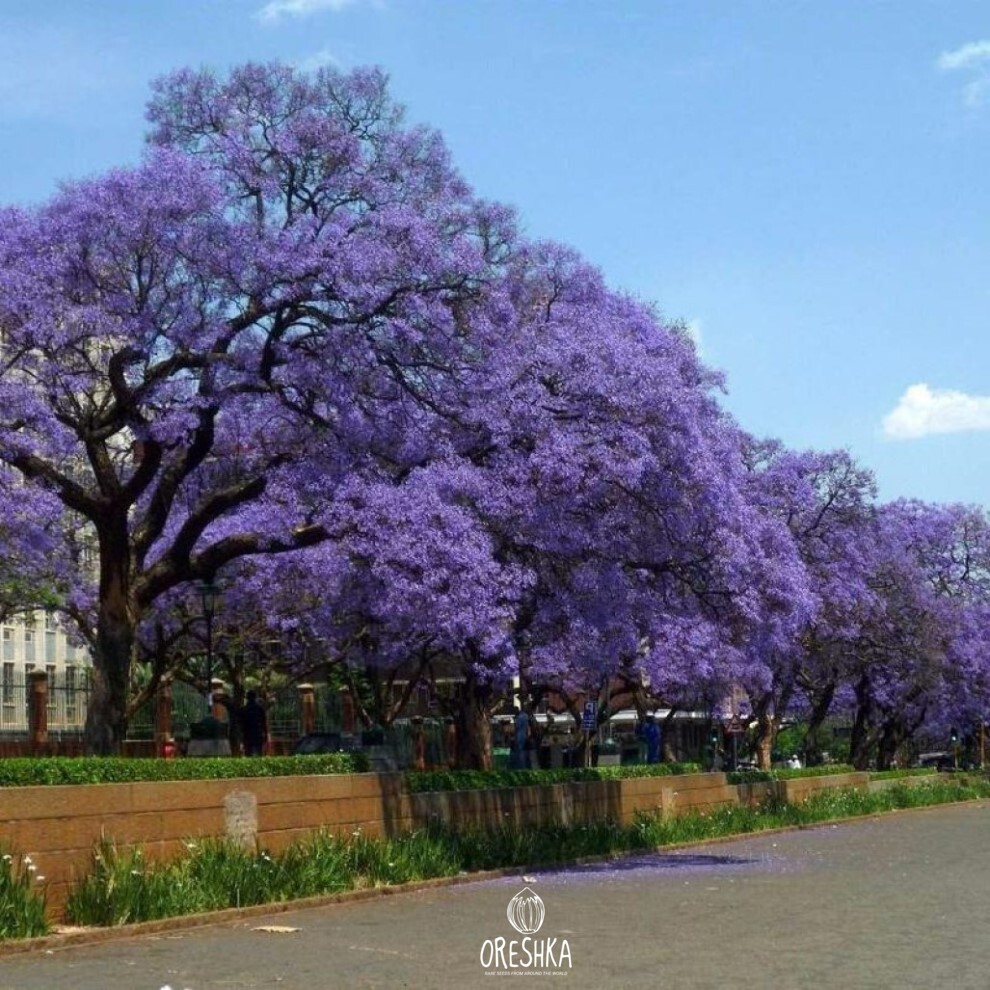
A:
68, 694
68, 702
68, 697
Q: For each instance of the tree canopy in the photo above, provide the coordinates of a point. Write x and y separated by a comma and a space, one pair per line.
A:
292, 350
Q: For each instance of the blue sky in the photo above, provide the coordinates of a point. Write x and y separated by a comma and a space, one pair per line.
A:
804, 184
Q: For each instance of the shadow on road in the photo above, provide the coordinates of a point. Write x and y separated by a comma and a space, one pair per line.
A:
649, 861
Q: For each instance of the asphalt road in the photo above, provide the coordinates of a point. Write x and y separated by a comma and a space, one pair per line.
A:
894, 902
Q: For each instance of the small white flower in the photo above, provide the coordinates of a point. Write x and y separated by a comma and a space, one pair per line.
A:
32, 868
8, 858
39, 878
28, 861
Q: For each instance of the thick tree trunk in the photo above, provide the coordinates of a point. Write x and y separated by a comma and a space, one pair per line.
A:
890, 739
106, 716
819, 712
474, 726
667, 737
766, 735
861, 739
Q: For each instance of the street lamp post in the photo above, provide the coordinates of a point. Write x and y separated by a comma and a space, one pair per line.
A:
209, 593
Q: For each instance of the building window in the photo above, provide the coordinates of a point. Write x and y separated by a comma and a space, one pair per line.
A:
26, 694
70, 695
8, 713
52, 704
29, 649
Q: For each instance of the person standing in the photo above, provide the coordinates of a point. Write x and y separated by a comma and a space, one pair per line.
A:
651, 732
520, 744
254, 726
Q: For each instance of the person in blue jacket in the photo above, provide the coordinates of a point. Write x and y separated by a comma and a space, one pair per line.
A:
651, 733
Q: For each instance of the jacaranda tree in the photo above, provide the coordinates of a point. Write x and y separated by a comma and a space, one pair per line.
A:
198, 350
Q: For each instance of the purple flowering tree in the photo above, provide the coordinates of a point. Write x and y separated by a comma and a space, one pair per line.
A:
603, 466
827, 503
921, 661
199, 350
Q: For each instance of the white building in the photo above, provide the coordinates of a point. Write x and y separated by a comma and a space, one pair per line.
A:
35, 641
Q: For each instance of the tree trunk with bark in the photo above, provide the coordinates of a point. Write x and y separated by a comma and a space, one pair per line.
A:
474, 726
821, 703
862, 739
116, 637
666, 737
890, 740
766, 736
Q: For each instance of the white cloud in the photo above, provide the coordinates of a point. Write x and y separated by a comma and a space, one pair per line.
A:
974, 59
921, 411
275, 10
965, 57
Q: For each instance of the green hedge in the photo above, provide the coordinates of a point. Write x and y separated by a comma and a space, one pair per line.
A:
473, 780
751, 776
26, 771
827, 770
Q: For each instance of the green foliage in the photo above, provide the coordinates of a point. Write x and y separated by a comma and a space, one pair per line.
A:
509, 845
22, 899
417, 855
27, 771
903, 772
790, 739
842, 803
123, 887
470, 780
783, 773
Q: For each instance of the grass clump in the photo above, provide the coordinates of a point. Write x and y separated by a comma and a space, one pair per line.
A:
123, 887
22, 899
